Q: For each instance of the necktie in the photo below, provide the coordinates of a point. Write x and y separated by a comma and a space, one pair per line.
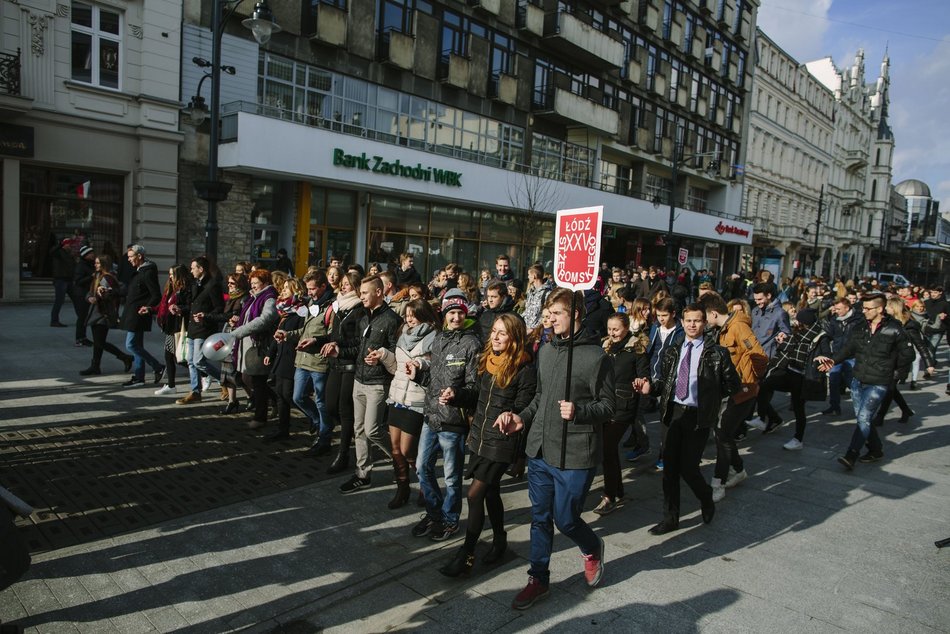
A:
682, 378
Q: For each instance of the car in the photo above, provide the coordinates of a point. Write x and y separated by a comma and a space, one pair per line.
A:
890, 278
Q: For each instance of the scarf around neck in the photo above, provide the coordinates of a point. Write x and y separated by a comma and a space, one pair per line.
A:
252, 310
495, 364
410, 337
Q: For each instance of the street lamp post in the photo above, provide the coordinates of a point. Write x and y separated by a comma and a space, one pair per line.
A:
678, 159
821, 202
262, 25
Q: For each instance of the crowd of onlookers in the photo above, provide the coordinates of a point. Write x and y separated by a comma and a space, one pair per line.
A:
475, 365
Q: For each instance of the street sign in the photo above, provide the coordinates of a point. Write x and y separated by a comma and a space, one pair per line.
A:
684, 253
577, 236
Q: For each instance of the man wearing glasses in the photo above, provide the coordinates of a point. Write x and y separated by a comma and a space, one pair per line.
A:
882, 354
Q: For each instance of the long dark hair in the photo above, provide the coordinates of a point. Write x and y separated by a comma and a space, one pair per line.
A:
177, 279
105, 268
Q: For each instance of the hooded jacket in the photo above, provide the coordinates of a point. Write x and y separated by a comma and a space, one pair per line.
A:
717, 380
453, 363
592, 392
746, 354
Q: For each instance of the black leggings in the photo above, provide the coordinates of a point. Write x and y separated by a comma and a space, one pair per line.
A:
482, 496
285, 402
339, 400
790, 382
100, 344
171, 362
613, 479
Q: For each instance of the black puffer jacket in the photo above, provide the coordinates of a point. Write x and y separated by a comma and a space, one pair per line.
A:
376, 329
879, 358
282, 354
345, 333
718, 380
923, 347
454, 364
631, 361
485, 440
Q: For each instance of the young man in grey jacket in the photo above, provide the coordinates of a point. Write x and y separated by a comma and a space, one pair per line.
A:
558, 486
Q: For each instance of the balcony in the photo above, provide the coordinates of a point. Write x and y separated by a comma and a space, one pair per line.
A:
489, 6
397, 49
851, 197
530, 17
503, 88
582, 42
330, 25
455, 71
11, 101
565, 107
855, 159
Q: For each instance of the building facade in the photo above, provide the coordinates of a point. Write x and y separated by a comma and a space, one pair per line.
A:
453, 130
926, 236
89, 132
818, 164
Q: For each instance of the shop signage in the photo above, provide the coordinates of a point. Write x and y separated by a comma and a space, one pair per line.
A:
16, 140
379, 165
683, 255
577, 234
722, 228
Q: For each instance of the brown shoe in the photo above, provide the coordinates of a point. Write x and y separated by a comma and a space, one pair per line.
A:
224, 394
193, 397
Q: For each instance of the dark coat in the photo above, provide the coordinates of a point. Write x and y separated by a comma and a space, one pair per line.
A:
488, 316
377, 330
453, 363
142, 291
202, 296
485, 440
282, 354
879, 358
345, 333
62, 263
718, 380
631, 361
409, 276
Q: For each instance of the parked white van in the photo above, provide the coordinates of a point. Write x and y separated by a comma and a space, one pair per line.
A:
890, 278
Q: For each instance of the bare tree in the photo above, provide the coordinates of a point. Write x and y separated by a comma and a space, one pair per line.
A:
535, 198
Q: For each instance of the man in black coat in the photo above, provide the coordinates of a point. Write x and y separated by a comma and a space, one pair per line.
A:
204, 296
142, 298
498, 302
82, 280
407, 274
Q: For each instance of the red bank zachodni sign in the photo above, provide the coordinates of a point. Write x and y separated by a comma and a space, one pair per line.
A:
577, 239
722, 228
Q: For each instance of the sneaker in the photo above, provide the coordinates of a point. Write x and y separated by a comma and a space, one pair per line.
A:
719, 490
735, 477
193, 397
442, 531
354, 484
166, 389
608, 506
159, 375
206, 383
756, 423
134, 382
424, 527
871, 456
635, 453
594, 567
793, 445
658, 467
533, 592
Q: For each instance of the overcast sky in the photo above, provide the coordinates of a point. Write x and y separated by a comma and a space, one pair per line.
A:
916, 34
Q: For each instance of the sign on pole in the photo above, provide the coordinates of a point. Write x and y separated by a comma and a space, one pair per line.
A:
684, 253
577, 239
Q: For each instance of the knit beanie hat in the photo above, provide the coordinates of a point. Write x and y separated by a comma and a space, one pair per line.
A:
454, 299
807, 317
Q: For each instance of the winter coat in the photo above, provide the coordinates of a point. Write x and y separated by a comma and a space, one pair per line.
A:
485, 440
839, 329
717, 380
920, 344
376, 329
315, 326
767, 323
104, 311
453, 363
202, 296
345, 333
747, 355
142, 291
82, 277
658, 345
487, 319
598, 311
631, 361
253, 336
403, 390
407, 277
62, 263
879, 358
283, 354
592, 392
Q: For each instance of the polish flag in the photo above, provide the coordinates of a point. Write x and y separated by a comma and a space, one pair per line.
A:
82, 190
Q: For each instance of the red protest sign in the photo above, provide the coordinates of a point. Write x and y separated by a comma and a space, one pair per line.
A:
683, 255
577, 240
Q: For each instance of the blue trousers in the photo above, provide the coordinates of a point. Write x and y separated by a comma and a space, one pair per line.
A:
316, 408
134, 343
867, 400
444, 508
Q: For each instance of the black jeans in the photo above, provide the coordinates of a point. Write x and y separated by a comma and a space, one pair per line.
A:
14, 555
339, 396
790, 382
171, 362
682, 453
81, 308
284, 386
893, 396
727, 453
613, 479
262, 397
100, 344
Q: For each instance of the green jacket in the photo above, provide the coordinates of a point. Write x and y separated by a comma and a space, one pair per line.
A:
316, 327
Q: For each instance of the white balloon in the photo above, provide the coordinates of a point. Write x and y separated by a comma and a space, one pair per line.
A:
218, 346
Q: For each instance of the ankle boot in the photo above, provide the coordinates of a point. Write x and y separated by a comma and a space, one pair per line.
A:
461, 564
499, 546
402, 495
341, 462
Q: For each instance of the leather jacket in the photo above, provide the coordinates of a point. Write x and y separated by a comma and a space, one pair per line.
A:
718, 380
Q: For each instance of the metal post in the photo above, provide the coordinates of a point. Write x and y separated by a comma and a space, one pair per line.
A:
211, 225
821, 201
669, 233
567, 382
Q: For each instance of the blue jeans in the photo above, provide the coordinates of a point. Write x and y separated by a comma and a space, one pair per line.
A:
60, 288
198, 364
934, 344
866, 400
557, 496
839, 375
315, 409
445, 508
134, 343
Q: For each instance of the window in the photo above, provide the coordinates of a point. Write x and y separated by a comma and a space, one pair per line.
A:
697, 199
657, 189
667, 18
96, 46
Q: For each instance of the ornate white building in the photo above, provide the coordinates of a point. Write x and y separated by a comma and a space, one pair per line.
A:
818, 164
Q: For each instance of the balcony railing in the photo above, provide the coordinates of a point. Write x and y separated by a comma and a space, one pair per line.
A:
10, 73
229, 133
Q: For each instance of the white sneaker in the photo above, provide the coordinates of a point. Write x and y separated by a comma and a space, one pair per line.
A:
206, 383
162, 391
719, 491
793, 445
756, 423
735, 478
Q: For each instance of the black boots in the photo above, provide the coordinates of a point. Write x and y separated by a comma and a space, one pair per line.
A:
401, 469
499, 546
461, 564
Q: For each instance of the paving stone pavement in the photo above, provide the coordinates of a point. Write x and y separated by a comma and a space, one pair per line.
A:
799, 546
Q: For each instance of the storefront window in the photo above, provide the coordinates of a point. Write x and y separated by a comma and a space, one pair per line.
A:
56, 204
398, 214
455, 222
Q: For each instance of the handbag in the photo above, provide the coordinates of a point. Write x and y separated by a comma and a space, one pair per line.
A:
181, 344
